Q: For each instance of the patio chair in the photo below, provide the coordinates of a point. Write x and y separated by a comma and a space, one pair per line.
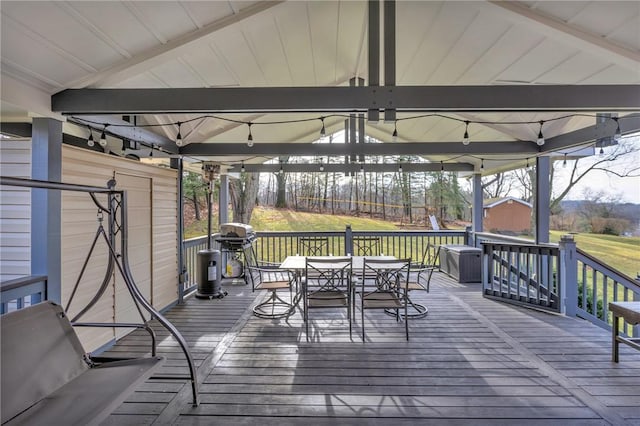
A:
420, 279
384, 285
313, 246
327, 285
268, 276
366, 246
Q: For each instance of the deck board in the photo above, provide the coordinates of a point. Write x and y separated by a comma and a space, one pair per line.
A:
471, 361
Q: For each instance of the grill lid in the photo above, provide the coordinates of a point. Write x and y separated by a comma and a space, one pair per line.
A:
234, 229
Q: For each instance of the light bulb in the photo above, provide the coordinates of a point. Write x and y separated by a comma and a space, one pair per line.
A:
540, 140
321, 167
242, 169
103, 138
249, 137
564, 163
618, 134
465, 138
323, 131
90, 141
394, 136
179, 136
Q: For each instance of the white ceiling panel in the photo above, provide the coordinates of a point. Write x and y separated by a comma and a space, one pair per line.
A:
263, 39
167, 20
614, 74
116, 22
628, 34
31, 55
479, 36
204, 12
211, 67
56, 30
574, 70
323, 21
293, 28
351, 37
561, 10
239, 57
177, 74
603, 18
538, 61
450, 25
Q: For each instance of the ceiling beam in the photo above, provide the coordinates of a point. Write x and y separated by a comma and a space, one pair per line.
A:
123, 129
167, 51
349, 99
628, 125
353, 167
373, 149
585, 41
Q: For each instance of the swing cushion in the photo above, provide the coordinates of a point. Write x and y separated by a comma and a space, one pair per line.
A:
45, 379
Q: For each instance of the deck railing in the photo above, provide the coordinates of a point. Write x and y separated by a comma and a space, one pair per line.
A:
276, 246
523, 274
599, 284
558, 277
22, 292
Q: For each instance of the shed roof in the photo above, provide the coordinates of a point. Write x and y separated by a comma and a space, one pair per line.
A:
493, 202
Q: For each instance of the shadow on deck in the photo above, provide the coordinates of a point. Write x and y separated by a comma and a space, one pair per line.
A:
470, 361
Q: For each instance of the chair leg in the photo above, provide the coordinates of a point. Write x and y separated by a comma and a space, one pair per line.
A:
261, 310
362, 316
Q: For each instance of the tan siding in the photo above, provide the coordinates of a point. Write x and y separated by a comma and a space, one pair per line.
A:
79, 226
514, 217
15, 210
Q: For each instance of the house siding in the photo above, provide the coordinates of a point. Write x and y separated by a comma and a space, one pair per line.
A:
509, 216
15, 210
152, 197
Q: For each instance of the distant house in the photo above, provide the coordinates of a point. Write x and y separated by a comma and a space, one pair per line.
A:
508, 214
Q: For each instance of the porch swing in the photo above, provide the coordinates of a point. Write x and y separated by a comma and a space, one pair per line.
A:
50, 376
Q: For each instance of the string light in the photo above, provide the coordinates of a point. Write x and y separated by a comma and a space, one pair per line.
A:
564, 163
179, 136
321, 167
362, 167
394, 137
90, 141
400, 168
323, 131
281, 171
618, 134
601, 152
151, 152
540, 140
242, 169
465, 138
482, 164
103, 137
442, 166
250, 137
527, 166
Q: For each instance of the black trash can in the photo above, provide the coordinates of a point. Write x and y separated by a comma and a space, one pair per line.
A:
209, 275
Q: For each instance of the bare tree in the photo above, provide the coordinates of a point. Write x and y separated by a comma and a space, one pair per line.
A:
604, 163
243, 193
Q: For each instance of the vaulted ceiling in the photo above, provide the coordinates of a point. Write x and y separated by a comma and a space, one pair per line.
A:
47, 47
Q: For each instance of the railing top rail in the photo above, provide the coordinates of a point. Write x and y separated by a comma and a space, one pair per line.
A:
372, 233
21, 282
611, 272
552, 247
497, 238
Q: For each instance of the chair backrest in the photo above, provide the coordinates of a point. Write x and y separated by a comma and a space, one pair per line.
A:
313, 246
40, 353
328, 274
251, 271
430, 255
385, 274
366, 246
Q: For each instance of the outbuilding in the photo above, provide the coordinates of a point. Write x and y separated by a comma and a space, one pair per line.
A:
507, 215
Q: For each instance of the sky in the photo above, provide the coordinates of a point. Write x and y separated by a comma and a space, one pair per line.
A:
626, 189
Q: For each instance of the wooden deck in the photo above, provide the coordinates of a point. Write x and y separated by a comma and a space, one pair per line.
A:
471, 361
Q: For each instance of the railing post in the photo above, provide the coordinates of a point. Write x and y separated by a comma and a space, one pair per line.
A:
469, 236
635, 330
568, 265
348, 240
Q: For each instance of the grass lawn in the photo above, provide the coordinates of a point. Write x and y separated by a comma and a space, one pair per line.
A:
269, 219
622, 253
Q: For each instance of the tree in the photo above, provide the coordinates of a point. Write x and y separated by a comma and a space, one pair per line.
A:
281, 184
194, 189
243, 193
603, 162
